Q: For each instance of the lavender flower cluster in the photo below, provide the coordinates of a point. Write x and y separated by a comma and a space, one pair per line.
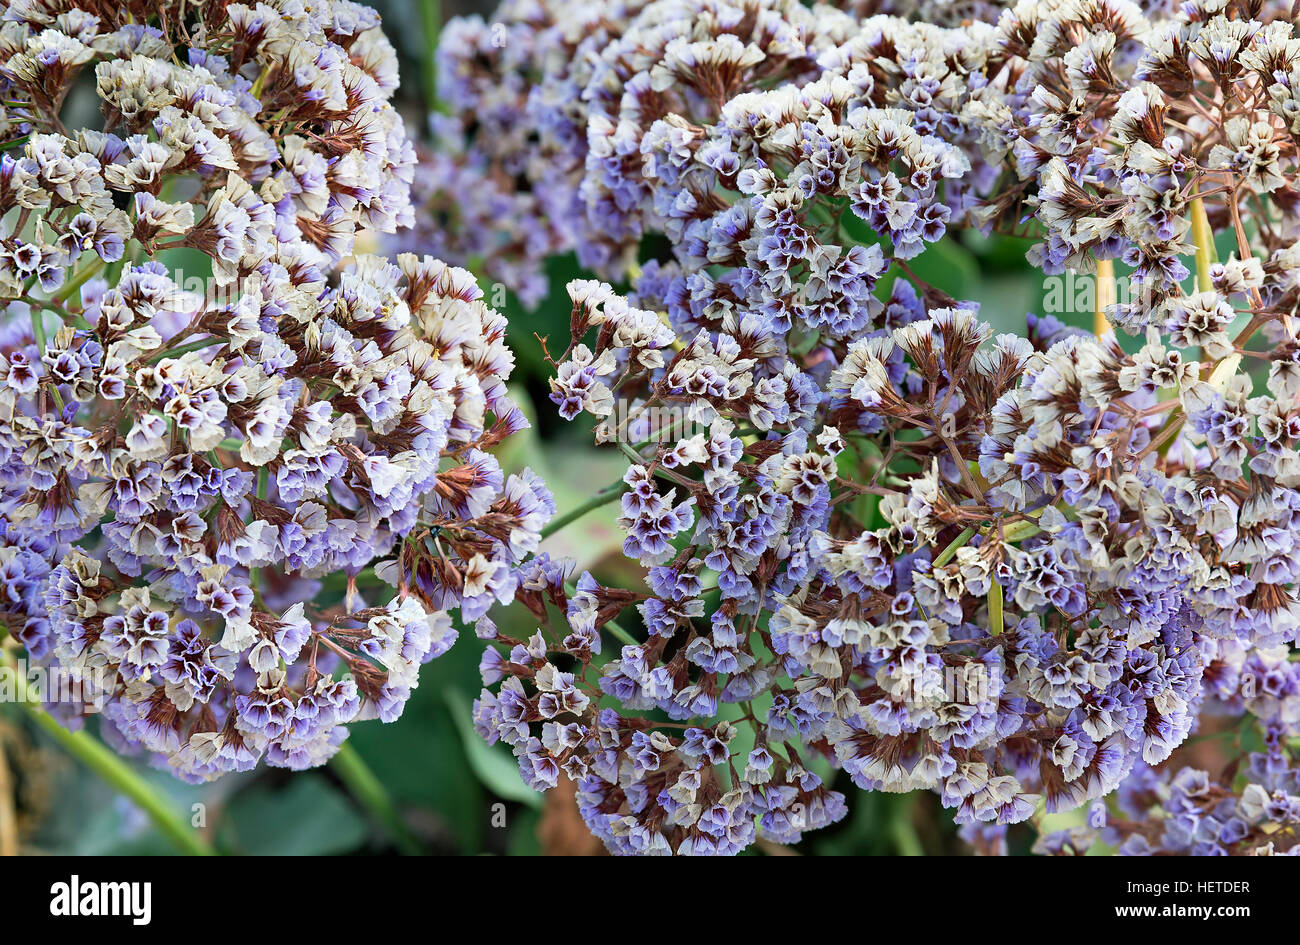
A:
1011, 570
1251, 809
878, 542
205, 496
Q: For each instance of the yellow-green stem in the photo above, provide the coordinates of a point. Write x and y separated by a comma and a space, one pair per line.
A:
81, 278
260, 82
947, 554
996, 623
1106, 296
603, 497
1204, 242
1019, 531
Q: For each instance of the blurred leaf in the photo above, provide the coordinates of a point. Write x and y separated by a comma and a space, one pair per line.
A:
949, 266
187, 263
999, 251
498, 770
550, 319
86, 817
857, 230
306, 817
862, 832
419, 757
1004, 302
523, 835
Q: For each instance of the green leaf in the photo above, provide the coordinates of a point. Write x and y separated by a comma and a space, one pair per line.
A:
307, 817
419, 757
949, 266
498, 771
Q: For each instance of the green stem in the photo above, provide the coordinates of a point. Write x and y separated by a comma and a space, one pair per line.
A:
901, 829
38, 329
260, 82
946, 555
187, 348
603, 497
371, 794
115, 772
80, 279
620, 634
632, 454
1019, 531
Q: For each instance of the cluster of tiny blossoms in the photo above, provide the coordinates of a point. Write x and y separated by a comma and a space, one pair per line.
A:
243, 515
1012, 570
474, 205
1252, 809
549, 104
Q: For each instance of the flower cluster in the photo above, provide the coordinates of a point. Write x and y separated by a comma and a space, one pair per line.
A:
474, 188
292, 160
1251, 809
1011, 570
202, 492
587, 119
879, 544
